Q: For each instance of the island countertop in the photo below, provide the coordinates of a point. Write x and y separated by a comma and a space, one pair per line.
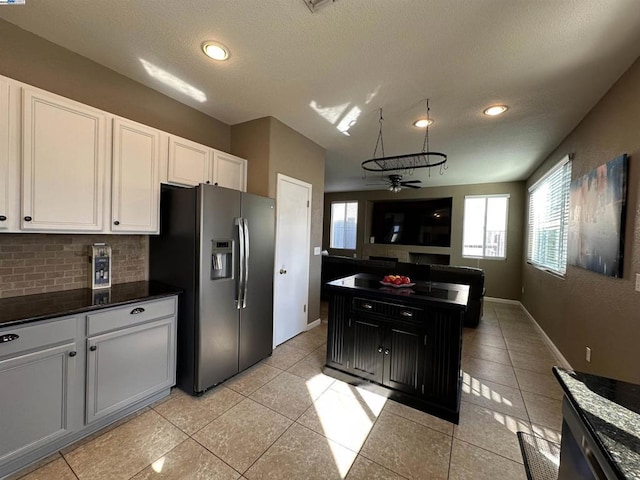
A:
610, 410
41, 306
443, 294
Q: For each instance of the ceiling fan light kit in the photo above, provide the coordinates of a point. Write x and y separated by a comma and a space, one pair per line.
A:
410, 161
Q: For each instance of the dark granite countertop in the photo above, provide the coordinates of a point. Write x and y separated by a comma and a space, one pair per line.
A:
610, 410
449, 294
29, 308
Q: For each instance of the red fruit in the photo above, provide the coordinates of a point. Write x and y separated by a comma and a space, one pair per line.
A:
398, 281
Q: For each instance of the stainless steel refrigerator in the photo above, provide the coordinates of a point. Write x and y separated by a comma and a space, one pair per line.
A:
218, 245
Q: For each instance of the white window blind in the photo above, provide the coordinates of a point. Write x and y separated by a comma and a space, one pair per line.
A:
485, 226
344, 225
549, 218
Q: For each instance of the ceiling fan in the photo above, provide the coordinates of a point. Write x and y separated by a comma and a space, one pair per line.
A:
395, 183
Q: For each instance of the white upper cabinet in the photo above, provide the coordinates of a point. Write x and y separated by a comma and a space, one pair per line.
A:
229, 171
189, 162
4, 155
135, 189
63, 164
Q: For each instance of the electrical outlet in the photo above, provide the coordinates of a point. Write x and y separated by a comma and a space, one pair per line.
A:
317, 250
637, 282
588, 355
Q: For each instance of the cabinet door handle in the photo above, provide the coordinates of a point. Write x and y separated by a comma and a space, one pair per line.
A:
387, 351
406, 313
73, 354
27, 219
9, 337
379, 349
116, 222
2, 218
93, 348
367, 306
137, 310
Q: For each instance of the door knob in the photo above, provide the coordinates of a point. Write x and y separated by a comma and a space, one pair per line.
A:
283, 271
379, 349
387, 351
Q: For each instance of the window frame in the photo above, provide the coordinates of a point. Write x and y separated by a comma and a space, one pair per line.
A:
484, 226
346, 203
564, 219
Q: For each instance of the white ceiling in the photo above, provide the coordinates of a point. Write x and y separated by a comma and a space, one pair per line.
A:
549, 60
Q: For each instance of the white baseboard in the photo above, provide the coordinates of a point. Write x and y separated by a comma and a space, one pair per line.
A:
313, 324
502, 300
563, 361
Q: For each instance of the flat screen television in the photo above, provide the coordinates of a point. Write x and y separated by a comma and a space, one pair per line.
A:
414, 222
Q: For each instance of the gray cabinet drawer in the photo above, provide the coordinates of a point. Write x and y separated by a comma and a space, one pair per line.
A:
386, 309
14, 341
129, 315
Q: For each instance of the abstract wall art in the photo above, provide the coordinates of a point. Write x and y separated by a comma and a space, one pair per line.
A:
597, 217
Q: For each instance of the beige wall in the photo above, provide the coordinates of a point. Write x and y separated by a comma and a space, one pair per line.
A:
585, 308
271, 147
33, 60
502, 277
250, 140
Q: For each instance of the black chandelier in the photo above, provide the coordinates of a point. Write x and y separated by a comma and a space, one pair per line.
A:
411, 161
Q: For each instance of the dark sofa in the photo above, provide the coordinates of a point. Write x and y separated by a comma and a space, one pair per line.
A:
337, 267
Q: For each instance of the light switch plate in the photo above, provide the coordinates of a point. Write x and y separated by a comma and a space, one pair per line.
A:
637, 282
316, 250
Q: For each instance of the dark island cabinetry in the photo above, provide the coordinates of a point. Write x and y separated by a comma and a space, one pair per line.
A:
407, 342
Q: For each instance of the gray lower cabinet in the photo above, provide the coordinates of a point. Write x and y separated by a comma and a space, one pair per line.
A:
128, 365
64, 378
40, 386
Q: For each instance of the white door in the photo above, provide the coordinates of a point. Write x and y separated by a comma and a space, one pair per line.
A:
293, 232
189, 162
229, 171
136, 183
63, 164
4, 154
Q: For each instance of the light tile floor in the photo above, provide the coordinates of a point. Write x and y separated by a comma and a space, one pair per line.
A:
283, 419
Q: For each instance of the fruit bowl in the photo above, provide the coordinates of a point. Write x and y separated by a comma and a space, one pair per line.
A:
396, 281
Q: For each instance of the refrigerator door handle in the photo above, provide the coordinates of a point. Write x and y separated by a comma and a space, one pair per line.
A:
246, 262
241, 279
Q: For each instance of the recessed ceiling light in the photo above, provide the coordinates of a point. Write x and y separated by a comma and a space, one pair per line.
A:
422, 123
215, 50
495, 110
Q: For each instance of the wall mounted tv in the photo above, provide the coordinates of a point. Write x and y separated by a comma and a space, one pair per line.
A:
415, 222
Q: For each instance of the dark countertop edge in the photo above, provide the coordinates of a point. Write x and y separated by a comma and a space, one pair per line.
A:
170, 291
440, 301
605, 451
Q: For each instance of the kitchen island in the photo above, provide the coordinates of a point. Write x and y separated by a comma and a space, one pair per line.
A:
600, 428
403, 342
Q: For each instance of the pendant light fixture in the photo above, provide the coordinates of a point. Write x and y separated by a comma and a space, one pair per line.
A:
411, 161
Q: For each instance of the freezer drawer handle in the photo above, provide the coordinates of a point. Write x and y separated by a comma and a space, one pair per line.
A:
406, 313
9, 337
137, 310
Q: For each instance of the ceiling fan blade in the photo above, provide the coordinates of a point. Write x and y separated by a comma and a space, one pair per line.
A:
410, 186
405, 182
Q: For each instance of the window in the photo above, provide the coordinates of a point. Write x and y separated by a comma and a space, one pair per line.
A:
485, 226
344, 223
549, 218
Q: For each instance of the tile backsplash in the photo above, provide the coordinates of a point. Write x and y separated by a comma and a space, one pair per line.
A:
39, 263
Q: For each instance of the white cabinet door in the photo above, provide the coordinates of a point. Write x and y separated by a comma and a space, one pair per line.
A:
229, 171
5, 215
135, 200
189, 162
128, 365
63, 164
